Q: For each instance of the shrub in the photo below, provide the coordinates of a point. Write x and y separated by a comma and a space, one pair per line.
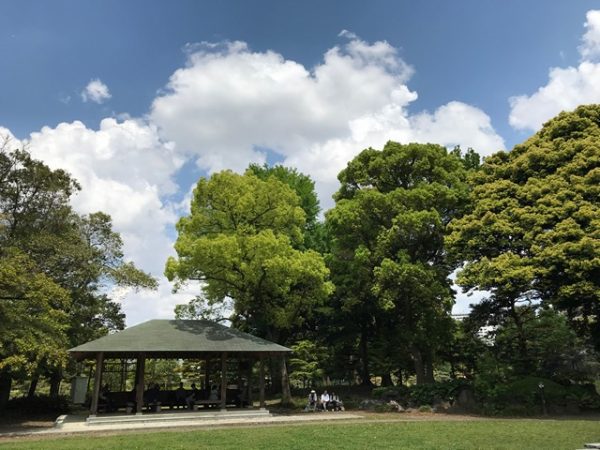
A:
40, 404
425, 409
384, 408
428, 394
398, 393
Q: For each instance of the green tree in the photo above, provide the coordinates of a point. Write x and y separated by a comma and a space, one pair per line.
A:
306, 364
389, 263
533, 234
315, 232
32, 319
80, 254
241, 241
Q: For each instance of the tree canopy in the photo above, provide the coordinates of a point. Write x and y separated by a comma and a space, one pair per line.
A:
389, 263
55, 266
240, 241
533, 232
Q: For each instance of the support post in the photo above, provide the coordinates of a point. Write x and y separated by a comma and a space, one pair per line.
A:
261, 379
249, 387
207, 375
223, 381
97, 381
140, 368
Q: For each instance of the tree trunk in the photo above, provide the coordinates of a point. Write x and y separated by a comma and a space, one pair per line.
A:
55, 379
386, 379
399, 374
521, 338
364, 355
5, 385
33, 385
428, 366
286, 394
419, 366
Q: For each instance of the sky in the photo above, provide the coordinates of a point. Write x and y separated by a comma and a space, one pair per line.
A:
138, 99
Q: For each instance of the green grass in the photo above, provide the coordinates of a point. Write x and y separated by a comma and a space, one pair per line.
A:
488, 434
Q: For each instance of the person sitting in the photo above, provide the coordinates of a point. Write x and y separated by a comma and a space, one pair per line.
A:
180, 396
192, 397
213, 393
324, 400
312, 401
153, 397
335, 402
104, 398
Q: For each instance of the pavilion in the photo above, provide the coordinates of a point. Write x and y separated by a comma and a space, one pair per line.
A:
177, 339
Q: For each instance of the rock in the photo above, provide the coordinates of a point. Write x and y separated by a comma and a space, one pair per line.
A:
441, 407
397, 406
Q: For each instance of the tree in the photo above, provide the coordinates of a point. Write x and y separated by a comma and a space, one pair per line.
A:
241, 241
32, 319
33, 204
315, 233
388, 262
81, 255
533, 233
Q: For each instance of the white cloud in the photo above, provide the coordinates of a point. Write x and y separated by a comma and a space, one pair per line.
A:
125, 170
220, 109
228, 102
96, 91
567, 87
590, 46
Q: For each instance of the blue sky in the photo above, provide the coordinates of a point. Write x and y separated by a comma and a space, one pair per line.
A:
138, 98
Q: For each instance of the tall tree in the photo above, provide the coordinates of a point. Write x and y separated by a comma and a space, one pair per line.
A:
315, 233
533, 234
241, 241
389, 263
78, 255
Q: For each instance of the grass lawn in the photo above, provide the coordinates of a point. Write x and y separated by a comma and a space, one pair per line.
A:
488, 434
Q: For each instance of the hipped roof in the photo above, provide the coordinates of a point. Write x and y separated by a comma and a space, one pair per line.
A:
176, 339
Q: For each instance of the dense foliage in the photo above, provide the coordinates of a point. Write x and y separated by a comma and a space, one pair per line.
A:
55, 266
388, 262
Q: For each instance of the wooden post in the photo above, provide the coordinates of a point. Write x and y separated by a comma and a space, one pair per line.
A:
207, 375
97, 381
249, 387
261, 380
223, 381
139, 382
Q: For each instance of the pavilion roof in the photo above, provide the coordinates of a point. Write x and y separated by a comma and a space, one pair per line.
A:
176, 339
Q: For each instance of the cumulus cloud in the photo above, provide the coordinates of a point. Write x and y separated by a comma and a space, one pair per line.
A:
228, 102
96, 91
566, 88
222, 110
590, 46
126, 170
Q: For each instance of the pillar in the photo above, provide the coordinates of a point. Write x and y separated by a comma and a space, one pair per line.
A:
249, 387
97, 381
223, 381
261, 379
140, 368
207, 375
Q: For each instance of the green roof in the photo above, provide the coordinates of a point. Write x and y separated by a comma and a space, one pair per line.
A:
176, 339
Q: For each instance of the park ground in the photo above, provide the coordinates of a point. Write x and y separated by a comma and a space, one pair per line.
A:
373, 431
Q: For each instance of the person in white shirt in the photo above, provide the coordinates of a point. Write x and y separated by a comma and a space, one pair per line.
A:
312, 401
324, 400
